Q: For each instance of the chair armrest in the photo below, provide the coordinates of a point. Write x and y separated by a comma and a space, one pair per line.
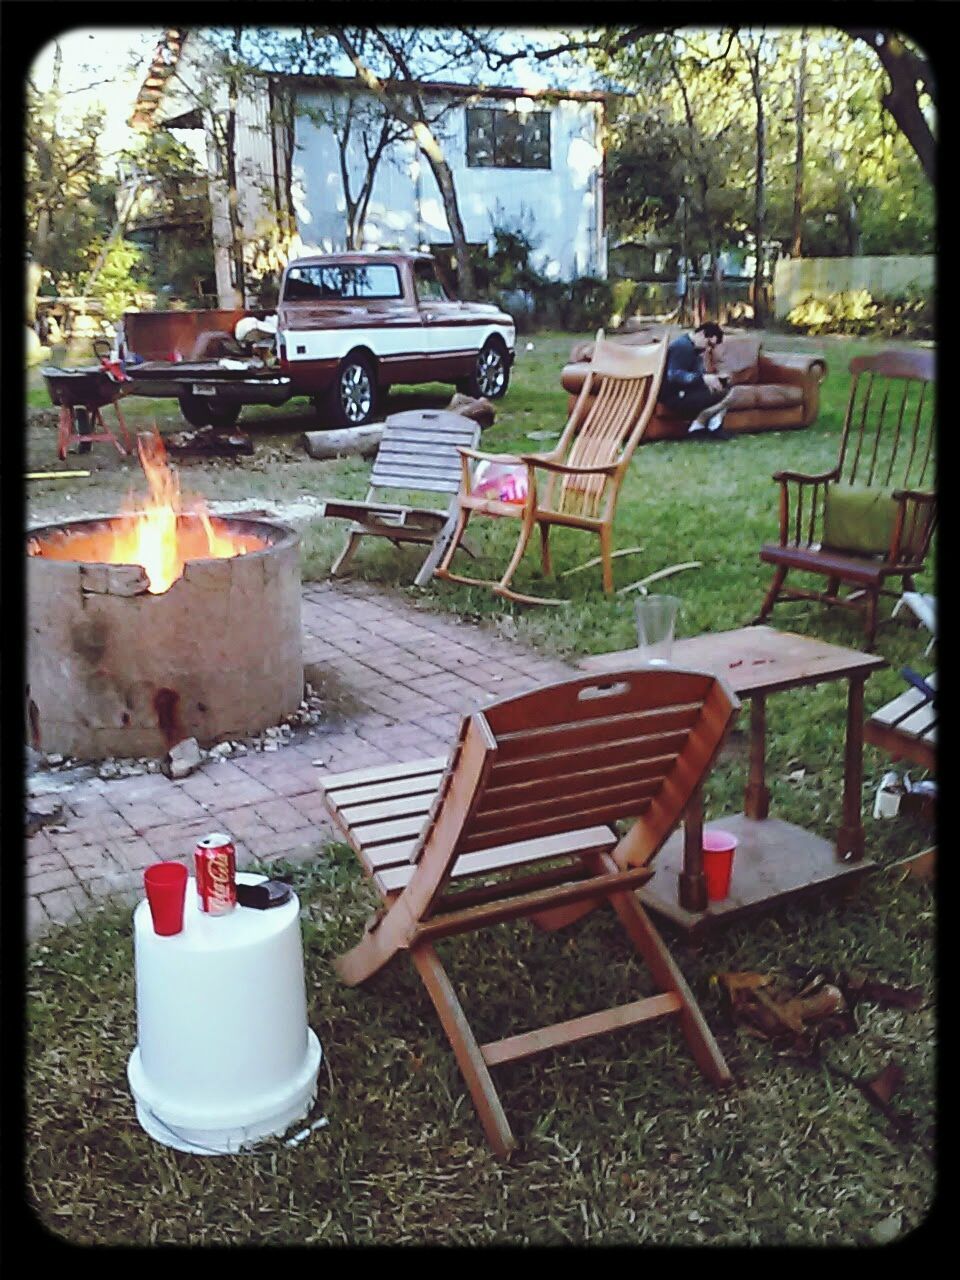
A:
478, 456
790, 367
927, 496
535, 460
801, 477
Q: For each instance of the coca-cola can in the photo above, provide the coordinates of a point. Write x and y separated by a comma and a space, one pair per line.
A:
216, 862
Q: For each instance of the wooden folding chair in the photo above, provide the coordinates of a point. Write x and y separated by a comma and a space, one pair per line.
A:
520, 823
418, 453
583, 473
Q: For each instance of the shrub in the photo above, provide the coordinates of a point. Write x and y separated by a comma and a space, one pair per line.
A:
858, 314
587, 303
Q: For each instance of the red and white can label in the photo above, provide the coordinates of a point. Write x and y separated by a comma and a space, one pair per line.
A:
216, 862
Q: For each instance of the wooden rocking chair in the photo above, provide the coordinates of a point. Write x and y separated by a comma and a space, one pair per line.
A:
417, 454
872, 516
519, 823
584, 471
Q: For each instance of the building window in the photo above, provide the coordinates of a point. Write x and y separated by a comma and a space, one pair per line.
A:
502, 139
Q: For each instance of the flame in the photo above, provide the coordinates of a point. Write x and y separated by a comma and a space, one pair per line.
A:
154, 535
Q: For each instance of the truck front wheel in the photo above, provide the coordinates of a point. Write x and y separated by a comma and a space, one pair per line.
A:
355, 397
195, 409
491, 375
200, 412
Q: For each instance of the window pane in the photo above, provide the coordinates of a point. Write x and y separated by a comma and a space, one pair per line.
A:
536, 142
509, 140
479, 136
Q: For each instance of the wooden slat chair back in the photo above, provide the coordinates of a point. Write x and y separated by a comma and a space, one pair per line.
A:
578, 482
418, 453
521, 821
887, 448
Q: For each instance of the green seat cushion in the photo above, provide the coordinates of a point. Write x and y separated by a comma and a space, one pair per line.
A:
859, 519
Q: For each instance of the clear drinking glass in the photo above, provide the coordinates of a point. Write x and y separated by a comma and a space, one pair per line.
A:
656, 618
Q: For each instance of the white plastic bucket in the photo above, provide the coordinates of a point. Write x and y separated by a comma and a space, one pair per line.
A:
224, 1056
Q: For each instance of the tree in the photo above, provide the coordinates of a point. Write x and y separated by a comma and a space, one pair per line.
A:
406, 102
752, 48
66, 200
910, 81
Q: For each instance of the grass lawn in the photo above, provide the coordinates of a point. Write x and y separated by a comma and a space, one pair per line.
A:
622, 1141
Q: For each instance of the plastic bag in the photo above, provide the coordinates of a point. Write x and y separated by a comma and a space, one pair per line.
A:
501, 481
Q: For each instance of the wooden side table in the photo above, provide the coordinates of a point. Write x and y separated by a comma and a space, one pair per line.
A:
775, 860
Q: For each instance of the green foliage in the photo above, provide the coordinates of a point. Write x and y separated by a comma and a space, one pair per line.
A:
857, 313
121, 277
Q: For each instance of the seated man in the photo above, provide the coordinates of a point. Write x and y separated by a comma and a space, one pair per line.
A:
687, 390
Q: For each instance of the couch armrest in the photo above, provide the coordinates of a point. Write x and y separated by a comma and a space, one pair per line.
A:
790, 367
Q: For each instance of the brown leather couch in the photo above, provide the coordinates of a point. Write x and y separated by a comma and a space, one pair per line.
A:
771, 392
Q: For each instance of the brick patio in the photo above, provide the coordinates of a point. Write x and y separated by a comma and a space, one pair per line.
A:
399, 680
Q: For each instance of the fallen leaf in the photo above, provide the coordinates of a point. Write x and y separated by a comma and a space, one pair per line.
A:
888, 1229
883, 1086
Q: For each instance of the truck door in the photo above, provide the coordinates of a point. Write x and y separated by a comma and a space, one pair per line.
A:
450, 340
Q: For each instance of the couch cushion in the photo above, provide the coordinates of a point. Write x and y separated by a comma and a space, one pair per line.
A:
737, 358
769, 395
859, 519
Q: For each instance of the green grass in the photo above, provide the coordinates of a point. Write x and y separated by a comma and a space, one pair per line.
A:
622, 1141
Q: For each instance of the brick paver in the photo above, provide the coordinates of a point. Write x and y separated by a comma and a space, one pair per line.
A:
403, 678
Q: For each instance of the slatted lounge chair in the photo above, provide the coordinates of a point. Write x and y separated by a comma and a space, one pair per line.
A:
520, 822
418, 453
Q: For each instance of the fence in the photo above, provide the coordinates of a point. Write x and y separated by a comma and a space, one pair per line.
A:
797, 278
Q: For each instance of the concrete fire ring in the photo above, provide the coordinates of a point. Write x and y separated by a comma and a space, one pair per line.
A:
113, 670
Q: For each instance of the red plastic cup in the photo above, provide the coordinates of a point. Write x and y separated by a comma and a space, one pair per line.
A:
718, 850
166, 886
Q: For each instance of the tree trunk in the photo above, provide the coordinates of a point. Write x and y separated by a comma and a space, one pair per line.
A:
906, 71
350, 441
448, 192
796, 245
760, 187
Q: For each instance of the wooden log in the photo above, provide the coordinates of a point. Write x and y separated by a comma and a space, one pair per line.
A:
347, 442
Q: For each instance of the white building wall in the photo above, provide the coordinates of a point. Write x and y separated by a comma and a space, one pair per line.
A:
560, 207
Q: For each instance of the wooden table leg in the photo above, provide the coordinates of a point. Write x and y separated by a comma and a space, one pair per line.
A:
850, 840
692, 881
756, 802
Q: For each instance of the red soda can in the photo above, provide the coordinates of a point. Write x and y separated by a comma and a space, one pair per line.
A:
216, 862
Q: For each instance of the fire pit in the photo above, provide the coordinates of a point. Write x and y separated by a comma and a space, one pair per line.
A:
149, 628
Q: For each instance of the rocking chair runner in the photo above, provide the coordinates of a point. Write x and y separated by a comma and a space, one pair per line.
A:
873, 515
519, 823
585, 470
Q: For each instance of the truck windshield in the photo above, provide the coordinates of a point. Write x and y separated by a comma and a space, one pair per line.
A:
330, 283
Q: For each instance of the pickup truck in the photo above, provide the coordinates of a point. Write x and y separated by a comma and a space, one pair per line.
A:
346, 328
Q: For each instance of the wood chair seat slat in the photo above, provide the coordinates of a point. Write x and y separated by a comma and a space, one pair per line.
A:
517, 853
625, 798
333, 783
553, 786
573, 732
413, 784
372, 811
532, 769
485, 839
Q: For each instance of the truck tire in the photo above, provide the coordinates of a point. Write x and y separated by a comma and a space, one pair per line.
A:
491, 375
355, 397
222, 415
195, 409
